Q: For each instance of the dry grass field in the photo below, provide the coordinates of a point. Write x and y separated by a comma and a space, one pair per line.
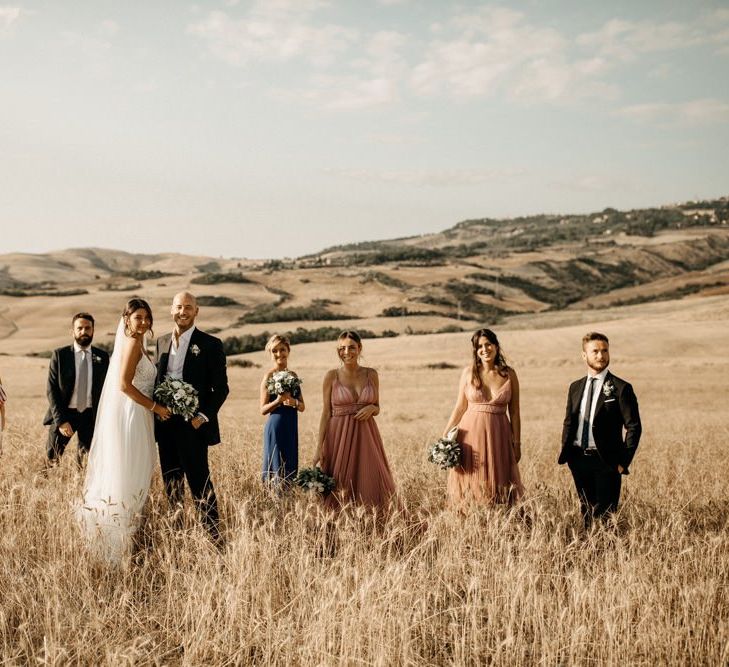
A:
505, 587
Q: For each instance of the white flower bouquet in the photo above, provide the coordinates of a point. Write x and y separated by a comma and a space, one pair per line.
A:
315, 479
179, 396
282, 382
445, 452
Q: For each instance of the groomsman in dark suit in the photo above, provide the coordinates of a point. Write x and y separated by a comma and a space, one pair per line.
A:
601, 431
197, 358
75, 377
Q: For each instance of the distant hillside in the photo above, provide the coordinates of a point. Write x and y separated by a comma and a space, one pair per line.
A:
479, 271
490, 236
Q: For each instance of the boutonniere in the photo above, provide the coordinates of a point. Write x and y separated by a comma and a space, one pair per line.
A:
195, 349
608, 389
96, 358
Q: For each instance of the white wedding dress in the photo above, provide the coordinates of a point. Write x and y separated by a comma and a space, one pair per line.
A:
121, 461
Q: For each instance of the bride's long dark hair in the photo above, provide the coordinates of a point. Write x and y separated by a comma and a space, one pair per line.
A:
499, 363
133, 305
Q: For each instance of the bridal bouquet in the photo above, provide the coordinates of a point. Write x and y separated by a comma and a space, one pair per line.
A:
282, 382
315, 479
179, 396
445, 452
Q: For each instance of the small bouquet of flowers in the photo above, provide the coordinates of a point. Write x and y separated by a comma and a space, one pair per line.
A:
315, 479
282, 382
446, 452
179, 396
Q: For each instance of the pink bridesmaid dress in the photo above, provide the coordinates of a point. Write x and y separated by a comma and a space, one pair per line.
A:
353, 453
488, 472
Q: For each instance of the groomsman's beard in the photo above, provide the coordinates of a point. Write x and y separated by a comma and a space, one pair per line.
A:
598, 369
83, 340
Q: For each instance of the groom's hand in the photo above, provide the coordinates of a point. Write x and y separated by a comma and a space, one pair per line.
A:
197, 422
66, 430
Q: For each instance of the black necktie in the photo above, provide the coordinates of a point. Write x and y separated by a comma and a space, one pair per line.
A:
586, 417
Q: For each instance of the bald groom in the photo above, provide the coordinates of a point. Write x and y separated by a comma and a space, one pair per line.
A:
197, 358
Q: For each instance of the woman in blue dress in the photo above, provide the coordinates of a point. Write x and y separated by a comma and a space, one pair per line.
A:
281, 432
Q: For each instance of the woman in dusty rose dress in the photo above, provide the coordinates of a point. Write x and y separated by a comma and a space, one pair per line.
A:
350, 447
489, 428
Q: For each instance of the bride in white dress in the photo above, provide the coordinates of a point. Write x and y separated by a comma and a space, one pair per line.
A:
123, 453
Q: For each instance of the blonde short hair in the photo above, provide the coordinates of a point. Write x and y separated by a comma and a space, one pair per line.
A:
594, 335
274, 340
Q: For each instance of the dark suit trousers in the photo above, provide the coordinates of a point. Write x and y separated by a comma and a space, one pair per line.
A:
83, 425
598, 486
183, 456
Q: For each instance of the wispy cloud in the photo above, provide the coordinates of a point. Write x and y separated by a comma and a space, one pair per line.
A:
623, 41
273, 30
694, 112
373, 80
284, 30
491, 52
9, 16
428, 177
341, 92
498, 51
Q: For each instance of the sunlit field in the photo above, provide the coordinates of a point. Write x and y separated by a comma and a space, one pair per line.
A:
522, 586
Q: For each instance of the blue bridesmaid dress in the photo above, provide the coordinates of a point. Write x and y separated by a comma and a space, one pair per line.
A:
281, 443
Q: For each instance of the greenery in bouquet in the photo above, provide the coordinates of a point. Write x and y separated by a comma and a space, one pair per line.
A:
315, 479
179, 396
445, 453
283, 382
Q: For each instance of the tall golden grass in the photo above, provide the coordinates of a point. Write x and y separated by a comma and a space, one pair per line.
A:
428, 587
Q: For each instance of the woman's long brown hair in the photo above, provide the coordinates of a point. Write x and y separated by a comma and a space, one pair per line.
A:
500, 362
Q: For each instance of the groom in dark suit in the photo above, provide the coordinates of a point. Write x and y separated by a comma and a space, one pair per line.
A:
75, 377
198, 359
601, 431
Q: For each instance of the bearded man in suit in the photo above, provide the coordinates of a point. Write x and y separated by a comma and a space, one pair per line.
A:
76, 375
601, 431
197, 358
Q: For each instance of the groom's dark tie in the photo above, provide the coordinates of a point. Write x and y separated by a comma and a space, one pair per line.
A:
83, 382
586, 418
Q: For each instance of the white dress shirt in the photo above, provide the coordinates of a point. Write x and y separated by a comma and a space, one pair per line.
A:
78, 354
178, 350
599, 380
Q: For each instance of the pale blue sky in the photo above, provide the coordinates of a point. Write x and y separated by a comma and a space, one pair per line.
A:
268, 129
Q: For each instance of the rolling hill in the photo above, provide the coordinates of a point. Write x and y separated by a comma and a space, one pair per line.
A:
476, 272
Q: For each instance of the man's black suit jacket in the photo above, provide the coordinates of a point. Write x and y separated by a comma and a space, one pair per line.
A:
615, 410
204, 369
62, 380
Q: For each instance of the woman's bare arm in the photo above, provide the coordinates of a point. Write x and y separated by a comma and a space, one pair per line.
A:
461, 402
326, 413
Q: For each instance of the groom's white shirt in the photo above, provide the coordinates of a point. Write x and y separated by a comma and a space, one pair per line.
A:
178, 350
599, 380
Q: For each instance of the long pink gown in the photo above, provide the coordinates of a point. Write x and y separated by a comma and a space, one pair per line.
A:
488, 472
353, 453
